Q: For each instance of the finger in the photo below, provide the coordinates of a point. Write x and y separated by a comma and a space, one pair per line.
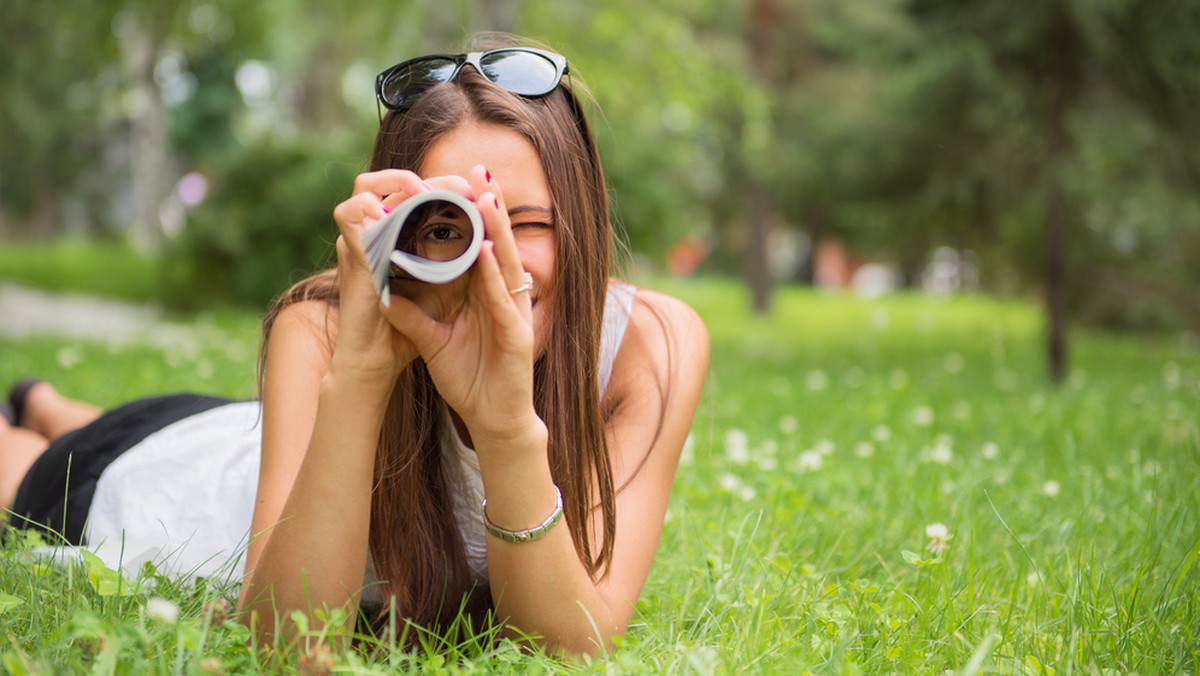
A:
498, 226
357, 212
453, 183
387, 182
496, 291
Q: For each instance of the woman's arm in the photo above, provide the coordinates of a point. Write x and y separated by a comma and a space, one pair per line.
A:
325, 396
541, 587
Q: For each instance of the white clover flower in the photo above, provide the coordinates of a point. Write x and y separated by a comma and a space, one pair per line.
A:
898, 379
922, 416
989, 451
953, 362
768, 463
729, 483
881, 433
864, 449
747, 493
738, 455
941, 453
939, 537
810, 461
737, 446
736, 437
825, 447
162, 610
1051, 489
816, 380
788, 424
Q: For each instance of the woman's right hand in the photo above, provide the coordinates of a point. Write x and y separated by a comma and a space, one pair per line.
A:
367, 344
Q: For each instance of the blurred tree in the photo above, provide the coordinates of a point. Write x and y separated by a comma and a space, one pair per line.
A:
58, 94
989, 126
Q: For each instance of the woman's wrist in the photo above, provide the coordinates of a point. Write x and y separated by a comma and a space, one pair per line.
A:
516, 476
518, 437
349, 378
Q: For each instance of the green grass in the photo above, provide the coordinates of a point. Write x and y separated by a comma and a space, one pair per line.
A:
110, 268
830, 435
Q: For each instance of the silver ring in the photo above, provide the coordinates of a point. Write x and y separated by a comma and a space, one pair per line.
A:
527, 285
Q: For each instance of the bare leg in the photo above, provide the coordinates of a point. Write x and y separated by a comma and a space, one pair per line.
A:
19, 447
51, 415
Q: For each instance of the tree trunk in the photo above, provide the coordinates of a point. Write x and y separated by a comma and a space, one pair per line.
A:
140, 38
1056, 208
757, 269
765, 16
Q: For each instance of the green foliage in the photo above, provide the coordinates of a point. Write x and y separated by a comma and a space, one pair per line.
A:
268, 223
830, 436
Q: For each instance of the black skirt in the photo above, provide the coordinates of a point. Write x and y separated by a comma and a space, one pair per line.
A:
57, 491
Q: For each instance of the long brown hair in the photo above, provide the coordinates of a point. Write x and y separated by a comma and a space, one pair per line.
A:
415, 543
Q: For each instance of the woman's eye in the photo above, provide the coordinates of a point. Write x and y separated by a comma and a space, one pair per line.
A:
442, 233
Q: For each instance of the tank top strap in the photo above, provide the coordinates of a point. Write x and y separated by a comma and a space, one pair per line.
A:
618, 306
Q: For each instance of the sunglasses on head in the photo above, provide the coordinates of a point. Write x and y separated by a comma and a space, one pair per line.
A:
520, 70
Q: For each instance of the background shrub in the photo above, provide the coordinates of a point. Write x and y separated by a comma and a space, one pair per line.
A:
266, 224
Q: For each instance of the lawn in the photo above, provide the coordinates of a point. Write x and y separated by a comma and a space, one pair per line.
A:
885, 486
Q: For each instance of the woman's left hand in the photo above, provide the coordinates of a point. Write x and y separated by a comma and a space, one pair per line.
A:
482, 361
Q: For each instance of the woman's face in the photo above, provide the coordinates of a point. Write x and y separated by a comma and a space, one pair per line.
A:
516, 168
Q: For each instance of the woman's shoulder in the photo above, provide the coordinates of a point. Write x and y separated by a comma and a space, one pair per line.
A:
309, 325
672, 316
664, 332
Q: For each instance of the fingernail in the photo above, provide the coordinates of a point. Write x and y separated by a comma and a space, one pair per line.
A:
427, 186
488, 175
387, 210
497, 201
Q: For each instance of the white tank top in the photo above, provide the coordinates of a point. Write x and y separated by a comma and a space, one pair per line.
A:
183, 498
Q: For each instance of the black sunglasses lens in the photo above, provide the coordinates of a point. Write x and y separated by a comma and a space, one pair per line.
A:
403, 87
522, 73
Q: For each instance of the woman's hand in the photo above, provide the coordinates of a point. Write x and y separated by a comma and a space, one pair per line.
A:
482, 359
367, 343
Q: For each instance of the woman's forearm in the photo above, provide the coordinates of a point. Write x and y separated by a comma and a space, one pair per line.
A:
315, 555
541, 587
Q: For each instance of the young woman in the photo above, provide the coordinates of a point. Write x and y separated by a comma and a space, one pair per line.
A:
509, 438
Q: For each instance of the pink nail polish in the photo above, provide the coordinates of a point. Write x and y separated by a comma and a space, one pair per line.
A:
488, 175
427, 186
387, 210
497, 201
